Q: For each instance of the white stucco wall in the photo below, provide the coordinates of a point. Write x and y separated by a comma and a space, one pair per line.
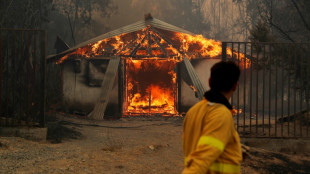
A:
76, 90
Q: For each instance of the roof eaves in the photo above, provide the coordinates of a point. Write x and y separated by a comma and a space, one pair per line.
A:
123, 30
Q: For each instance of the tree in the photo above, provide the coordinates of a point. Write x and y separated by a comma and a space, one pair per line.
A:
288, 20
30, 14
80, 14
285, 21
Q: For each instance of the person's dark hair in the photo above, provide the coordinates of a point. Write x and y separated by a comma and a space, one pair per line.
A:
224, 75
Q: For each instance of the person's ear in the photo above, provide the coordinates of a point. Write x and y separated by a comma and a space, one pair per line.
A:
235, 86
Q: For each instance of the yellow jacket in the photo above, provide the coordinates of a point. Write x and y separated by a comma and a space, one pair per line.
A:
210, 142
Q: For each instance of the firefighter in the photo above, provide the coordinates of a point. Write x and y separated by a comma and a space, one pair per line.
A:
211, 143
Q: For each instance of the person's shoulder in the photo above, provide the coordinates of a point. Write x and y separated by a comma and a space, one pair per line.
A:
219, 110
200, 104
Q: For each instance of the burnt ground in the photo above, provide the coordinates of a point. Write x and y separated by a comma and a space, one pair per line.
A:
130, 145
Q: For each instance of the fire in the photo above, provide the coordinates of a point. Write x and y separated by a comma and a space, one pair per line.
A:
193, 88
240, 57
136, 63
150, 87
95, 47
150, 43
159, 100
197, 43
150, 84
197, 46
236, 111
63, 59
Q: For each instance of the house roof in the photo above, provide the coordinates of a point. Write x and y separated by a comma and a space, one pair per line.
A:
152, 22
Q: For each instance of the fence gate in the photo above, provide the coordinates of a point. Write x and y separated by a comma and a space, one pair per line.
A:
272, 99
22, 77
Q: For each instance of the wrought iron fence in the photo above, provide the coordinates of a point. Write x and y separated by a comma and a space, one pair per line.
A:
272, 99
22, 77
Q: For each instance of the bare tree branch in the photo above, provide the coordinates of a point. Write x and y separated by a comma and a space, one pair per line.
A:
72, 30
282, 32
300, 14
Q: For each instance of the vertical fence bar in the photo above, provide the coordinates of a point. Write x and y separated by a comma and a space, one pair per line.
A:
295, 69
289, 91
251, 81
257, 57
307, 90
263, 89
14, 77
1, 74
276, 92
34, 72
42, 81
244, 85
20, 75
301, 86
27, 76
7, 78
224, 51
269, 92
282, 76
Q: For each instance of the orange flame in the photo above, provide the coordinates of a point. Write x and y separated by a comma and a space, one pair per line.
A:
197, 46
151, 80
193, 88
206, 47
150, 43
236, 111
159, 100
149, 92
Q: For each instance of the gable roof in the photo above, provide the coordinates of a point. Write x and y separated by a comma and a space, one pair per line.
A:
153, 22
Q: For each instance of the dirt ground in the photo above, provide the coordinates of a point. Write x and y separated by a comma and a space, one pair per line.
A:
129, 145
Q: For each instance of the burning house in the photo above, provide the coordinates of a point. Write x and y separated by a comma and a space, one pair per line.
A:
139, 67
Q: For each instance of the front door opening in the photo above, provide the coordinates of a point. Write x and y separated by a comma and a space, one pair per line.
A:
150, 87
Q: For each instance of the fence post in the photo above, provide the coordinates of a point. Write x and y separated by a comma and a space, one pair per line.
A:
1, 73
42, 74
224, 53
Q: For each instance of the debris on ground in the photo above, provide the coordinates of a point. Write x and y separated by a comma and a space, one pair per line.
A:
131, 146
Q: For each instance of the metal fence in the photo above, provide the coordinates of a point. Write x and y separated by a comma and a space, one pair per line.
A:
272, 99
22, 77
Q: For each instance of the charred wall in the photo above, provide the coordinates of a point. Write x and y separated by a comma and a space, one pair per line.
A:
82, 81
81, 85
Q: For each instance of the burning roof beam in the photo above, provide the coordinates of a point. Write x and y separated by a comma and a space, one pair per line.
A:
160, 45
151, 56
133, 53
157, 32
166, 40
149, 51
